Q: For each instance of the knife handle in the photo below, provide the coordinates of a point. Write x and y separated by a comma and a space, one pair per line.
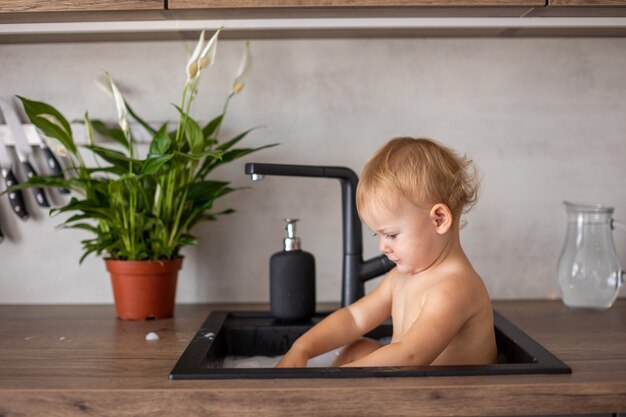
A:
53, 165
15, 197
40, 194
1, 236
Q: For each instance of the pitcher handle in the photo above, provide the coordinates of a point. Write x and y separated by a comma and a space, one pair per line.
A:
617, 224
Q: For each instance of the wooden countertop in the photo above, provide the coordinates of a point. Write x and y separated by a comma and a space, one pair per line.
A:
80, 360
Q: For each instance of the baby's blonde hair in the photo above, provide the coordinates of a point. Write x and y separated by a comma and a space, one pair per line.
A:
422, 171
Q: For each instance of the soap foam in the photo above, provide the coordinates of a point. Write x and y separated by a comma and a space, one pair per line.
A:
322, 361
250, 361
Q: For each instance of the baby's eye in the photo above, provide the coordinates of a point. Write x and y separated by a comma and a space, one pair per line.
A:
386, 235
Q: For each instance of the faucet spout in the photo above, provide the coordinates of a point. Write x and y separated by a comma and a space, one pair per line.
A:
355, 270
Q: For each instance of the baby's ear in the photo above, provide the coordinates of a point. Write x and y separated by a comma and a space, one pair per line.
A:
441, 217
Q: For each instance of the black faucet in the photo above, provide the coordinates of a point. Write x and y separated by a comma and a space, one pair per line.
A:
355, 270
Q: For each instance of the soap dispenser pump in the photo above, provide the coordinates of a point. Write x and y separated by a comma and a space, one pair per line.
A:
292, 279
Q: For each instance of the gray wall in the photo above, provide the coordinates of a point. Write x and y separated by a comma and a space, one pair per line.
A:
544, 119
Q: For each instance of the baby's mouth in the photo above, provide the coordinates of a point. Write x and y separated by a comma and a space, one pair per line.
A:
395, 261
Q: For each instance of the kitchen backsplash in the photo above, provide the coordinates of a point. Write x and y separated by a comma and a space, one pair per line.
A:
544, 119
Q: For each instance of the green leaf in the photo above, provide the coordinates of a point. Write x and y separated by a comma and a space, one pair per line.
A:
238, 153
86, 254
44, 181
225, 212
89, 128
187, 240
209, 165
73, 219
194, 136
197, 156
143, 123
202, 216
114, 133
90, 207
38, 109
109, 169
205, 190
235, 140
50, 121
152, 165
161, 142
208, 203
84, 226
116, 158
212, 126
192, 132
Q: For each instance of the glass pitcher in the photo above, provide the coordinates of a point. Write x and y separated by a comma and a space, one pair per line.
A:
589, 273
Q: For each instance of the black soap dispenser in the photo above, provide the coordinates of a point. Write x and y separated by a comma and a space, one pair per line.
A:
292, 279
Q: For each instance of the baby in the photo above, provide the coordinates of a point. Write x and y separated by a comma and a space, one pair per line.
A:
411, 195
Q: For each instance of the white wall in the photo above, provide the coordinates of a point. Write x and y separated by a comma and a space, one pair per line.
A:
545, 120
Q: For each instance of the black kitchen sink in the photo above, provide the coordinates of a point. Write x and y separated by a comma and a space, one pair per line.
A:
248, 334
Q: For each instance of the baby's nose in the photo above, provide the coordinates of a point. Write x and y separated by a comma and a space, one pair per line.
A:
382, 246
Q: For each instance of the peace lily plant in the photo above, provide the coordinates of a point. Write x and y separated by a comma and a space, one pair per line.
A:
143, 208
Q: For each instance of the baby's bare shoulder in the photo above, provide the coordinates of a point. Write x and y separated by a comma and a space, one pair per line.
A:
462, 287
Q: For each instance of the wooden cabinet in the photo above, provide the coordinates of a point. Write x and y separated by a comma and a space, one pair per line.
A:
31, 6
587, 3
194, 9
350, 8
198, 4
308, 6
581, 8
57, 11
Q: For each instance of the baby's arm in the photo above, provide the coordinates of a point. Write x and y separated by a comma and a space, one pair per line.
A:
341, 327
443, 314
335, 330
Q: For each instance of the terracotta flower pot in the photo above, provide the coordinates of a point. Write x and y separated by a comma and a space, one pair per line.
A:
144, 289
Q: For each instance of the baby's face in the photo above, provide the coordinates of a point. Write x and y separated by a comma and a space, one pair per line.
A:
406, 233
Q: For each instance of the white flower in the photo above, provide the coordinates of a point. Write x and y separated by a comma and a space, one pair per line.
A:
244, 66
122, 111
203, 56
192, 64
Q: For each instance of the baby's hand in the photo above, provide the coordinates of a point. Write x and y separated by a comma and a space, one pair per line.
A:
295, 358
